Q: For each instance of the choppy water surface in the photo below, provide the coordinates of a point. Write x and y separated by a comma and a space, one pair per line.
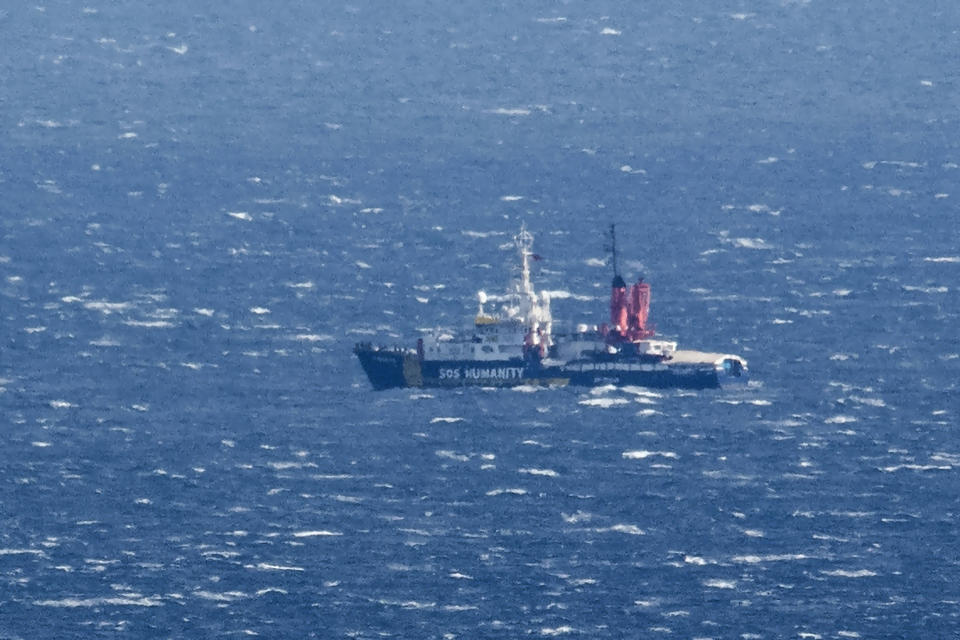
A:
203, 210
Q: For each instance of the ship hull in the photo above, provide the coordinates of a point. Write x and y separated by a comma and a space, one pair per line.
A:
392, 368
385, 369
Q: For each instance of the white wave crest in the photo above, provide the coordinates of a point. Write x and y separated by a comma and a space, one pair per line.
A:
641, 454
226, 596
550, 473
720, 584
630, 529
264, 566
843, 573
17, 552
751, 243
149, 324
916, 467
452, 455
503, 111
117, 601
775, 557
604, 403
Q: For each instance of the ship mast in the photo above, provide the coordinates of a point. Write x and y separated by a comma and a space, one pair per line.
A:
524, 244
613, 249
532, 308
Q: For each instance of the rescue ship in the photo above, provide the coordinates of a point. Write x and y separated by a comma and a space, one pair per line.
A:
515, 345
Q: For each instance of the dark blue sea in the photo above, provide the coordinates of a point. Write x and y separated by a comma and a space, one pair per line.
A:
204, 206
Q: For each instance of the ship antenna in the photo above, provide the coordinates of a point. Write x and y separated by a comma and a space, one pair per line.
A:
613, 249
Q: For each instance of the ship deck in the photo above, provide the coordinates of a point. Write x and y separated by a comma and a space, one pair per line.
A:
684, 356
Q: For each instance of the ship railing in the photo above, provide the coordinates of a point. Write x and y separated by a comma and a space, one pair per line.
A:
369, 346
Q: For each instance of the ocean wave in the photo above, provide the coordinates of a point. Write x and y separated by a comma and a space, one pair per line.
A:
717, 583
642, 454
844, 573
629, 529
512, 492
111, 601
604, 403
550, 473
773, 557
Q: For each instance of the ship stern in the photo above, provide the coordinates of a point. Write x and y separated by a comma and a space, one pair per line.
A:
732, 371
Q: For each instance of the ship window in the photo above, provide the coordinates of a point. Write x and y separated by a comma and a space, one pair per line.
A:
487, 348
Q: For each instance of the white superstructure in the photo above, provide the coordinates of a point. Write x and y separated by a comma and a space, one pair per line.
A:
521, 322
